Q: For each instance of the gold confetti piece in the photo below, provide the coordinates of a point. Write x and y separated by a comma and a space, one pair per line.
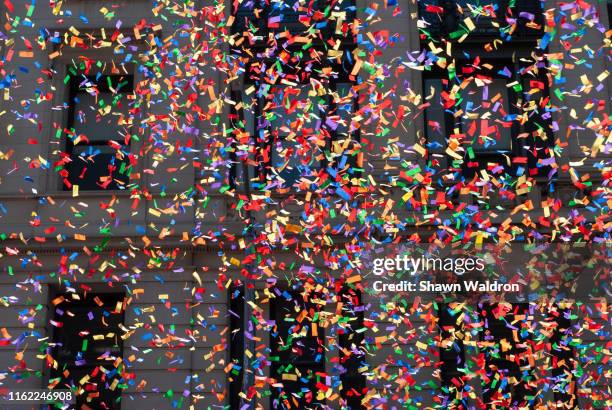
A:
418, 148
58, 300
354, 279
293, 228
196, 276
289, 377
601, 77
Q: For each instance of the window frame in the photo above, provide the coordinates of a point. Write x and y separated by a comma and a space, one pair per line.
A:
485, 312
450, 21
563, 326
263, 168
239, 27
275, 309
352, 378
70, 53
482, 157
451, 362
73, 92
55, 292
436, 73
468, 167
236, 342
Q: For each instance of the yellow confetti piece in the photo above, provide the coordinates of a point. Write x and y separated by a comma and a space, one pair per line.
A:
469, 24
354, 279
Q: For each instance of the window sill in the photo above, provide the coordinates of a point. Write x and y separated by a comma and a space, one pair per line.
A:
97, 194
68, 194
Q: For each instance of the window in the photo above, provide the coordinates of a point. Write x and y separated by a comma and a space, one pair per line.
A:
86, 343
298, 353
562, 357
296, 130
295, 16
98, 142
452, 353
241, 162
294, 114
236, 322
298, 123
350, 342
508, 382
437, 116
609, 4
494, 133
473, 20
496, 109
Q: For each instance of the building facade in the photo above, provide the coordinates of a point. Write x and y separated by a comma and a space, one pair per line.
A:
185, 266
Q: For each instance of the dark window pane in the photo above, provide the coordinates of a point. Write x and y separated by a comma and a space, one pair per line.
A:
98, 167
345, 110
236, 322
452, 353
294, 132
350, 342
98, 114
292, 14
508, 383
242, 121
290, 118
536, 127
435, 115
100, 117
562, 357
86, 340
297, 349
285, 133
295, 16
486, 107
484, 18
287, 162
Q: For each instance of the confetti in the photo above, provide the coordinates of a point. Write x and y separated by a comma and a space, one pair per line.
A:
191, 192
